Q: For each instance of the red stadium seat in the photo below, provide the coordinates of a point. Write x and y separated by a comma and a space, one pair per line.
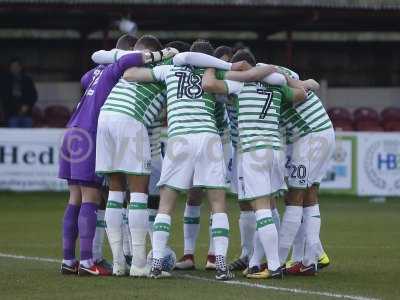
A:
368, 125
390, 114
343, 125
37, 117
391, 125
56, 116
339, 113
365, 114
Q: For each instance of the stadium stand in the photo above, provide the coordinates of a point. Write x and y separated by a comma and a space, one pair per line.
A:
366, 119
37, 117
343, 125
365, 114
341, 118
56, 116
391, 114
368, 126
391, 119
339, 113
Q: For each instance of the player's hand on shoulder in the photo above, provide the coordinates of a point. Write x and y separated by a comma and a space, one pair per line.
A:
311, 84
241, 66
156, 56
169, 52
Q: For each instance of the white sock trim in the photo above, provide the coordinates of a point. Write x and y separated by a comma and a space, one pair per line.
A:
139, 197
163, 218
263, 213
311, 211
116, 196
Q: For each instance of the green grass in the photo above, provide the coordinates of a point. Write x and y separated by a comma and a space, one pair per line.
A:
361, 238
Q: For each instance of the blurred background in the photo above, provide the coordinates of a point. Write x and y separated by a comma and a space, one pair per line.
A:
350, 47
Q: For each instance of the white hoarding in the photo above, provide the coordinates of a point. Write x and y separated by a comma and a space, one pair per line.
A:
29, 159
339, 176
378, 164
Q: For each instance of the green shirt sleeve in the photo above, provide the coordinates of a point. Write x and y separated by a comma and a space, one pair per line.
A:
287, 93
220, 74
167, 61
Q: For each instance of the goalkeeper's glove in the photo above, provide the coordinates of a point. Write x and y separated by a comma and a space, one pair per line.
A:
156, 56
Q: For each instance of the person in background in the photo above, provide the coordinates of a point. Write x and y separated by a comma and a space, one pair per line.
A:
18, 96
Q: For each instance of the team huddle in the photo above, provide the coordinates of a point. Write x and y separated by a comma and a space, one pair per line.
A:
235, 126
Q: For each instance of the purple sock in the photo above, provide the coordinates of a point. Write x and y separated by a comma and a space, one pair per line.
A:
70, 230
87, 227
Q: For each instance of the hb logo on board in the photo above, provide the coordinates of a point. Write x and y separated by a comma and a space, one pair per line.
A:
382, 164
388, 161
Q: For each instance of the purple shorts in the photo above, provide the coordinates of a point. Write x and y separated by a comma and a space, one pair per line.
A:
77, 162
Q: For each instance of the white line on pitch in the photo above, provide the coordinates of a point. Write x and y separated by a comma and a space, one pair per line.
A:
233, 282
52, 260
281, 289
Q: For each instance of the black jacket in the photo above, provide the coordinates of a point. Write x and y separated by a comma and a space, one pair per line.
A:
11, 105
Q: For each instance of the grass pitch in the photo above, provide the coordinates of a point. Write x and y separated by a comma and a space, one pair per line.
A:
361, 238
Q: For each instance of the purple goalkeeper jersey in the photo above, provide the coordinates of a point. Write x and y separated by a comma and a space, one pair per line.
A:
98, 83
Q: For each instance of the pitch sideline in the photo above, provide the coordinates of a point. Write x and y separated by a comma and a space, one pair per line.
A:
233, 282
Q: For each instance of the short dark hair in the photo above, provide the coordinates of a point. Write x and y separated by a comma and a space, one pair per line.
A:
179, 45
202, 46
149, 42
244, 55
126, 42
239, 46
223, 50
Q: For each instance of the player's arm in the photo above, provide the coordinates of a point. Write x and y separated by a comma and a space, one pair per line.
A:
139, 75
275, 79
293, 79
87, 78
202, 60
156, 74
114, 55
257, 73
309, 84
213, 85
293, 94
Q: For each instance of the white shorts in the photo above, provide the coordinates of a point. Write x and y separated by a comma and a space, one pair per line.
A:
233, 171
122, 145
260, 173
194, 160
310, 158
156, 164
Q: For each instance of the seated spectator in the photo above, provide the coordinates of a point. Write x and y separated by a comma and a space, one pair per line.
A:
17, 96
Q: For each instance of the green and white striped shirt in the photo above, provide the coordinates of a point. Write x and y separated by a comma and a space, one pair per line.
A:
222, 120
190, 110
141, 101
154, 132
259, 106
233, 121
304, 117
